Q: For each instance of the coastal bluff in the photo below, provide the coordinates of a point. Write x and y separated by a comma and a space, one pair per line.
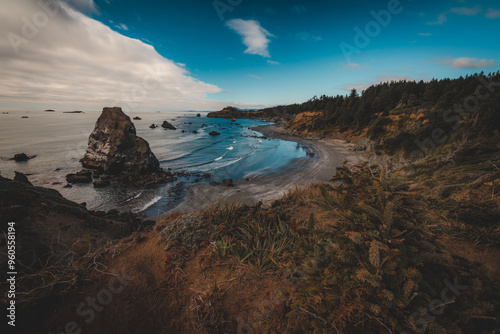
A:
231, 112
115, 149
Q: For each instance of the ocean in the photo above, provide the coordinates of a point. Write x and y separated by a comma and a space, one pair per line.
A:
59, 141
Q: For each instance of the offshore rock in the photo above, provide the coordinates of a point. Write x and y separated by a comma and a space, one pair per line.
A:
168, 126
115, 149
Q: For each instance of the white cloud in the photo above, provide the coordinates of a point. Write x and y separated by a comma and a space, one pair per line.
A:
442, 18
304, 35
122, 26
254, 36
271, 62
425, 34
75, 61
493, 13
462, 11
466, 10
355, 67
465, 62
255, 76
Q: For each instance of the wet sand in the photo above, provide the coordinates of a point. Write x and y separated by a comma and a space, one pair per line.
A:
328, 154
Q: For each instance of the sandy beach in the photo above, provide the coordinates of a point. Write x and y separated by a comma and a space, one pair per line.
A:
328, 154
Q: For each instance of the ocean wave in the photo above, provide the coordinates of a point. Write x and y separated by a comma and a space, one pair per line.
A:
215, 164
184, 154
225, 163
148, 204
132, 198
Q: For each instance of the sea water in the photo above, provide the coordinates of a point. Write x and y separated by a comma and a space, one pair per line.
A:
59, 141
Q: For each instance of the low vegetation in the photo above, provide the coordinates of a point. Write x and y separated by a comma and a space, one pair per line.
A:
371, 269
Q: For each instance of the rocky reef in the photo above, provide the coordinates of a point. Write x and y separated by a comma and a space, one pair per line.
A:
115, 149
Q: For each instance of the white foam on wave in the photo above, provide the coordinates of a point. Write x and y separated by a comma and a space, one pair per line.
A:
230, 148
219, 158
225, 164
149, 204
133, 197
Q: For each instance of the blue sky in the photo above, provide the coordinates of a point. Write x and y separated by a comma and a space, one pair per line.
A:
259, 53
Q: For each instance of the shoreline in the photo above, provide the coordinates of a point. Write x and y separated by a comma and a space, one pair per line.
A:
329, 154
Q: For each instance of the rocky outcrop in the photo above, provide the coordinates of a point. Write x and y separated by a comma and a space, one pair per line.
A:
115, 149
52, 232
233, 113
83, 176
214, 133
21, 157
168, 126
102, 183
20, 177
227, 183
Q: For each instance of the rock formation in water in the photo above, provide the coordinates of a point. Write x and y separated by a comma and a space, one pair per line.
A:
115, 149
21, 157
168, 126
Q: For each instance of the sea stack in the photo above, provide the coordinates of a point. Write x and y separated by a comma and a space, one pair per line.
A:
115, 149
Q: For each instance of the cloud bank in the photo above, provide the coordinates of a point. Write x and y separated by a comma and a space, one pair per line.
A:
55, 55
465, 11
465, 62
254, 36
493, 13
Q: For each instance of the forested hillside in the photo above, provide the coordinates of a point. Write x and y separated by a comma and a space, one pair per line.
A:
414, 117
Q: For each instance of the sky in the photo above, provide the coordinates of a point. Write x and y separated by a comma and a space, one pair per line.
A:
174, 55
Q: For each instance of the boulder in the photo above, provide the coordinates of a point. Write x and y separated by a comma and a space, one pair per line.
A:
207, 176
153, 126
168, 126
214, 133
227, 183
198, 115
83, 176
20, 157
101, 183
20, 177
137, 118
